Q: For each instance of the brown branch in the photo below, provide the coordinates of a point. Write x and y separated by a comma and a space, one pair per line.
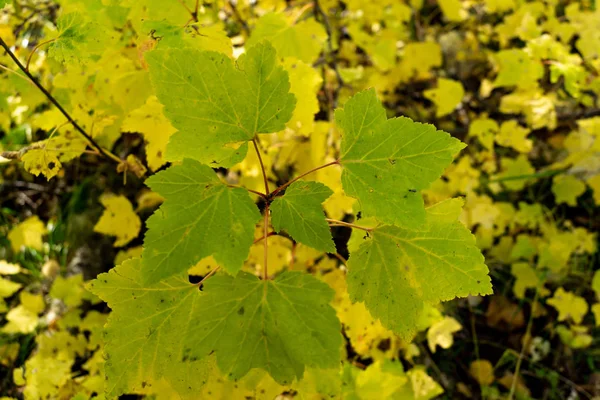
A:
211, 273
263, 237
35, 49
256, 192
262, 166
280, 188
335, 222
266, 242
55, 102
238, 17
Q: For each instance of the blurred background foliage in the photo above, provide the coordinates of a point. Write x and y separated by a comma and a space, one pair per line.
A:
516, 80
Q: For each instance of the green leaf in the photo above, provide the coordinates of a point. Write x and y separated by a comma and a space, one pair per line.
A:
149, 331
386, 162
217, 104
299, 212
201, 216
77, 39
280, 326
397, 270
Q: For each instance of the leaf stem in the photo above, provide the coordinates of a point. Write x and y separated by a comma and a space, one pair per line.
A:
56, 103
266, 242
256, 192
335, 222
35, 49
211, 273
527, 340
272, 233
262, 166
280, 188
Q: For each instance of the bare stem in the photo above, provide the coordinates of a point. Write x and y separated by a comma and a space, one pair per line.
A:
515, 379
335, 222
211, 273
56, 103
263, 237
262, 166
35, 49
266, 242
280, 188
256, 192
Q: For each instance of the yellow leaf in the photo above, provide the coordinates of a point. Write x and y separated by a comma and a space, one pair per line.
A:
513, 135
568, 305
440, 333
447, 96
596, 311
19, 376
148, 200
515, 172
423, 386
123, 255
517, 69
27, 234
567, 189
526, 278
8, 288
39, 161
453, 10
7, 268
485, 130
156, 128
482, 371
419, 58
20, 320
305, 82
118, 219
594, 183
575, 337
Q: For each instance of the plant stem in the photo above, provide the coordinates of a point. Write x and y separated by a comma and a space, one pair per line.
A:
280, 188
266, 241
335, 222
211, 273
56, 103
262, 166
264, 196
35, 49
513, 386
264, 237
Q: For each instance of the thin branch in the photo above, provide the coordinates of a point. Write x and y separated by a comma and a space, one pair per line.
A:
35, 49
12, 71
266, 242
186, 7
238, 17
332, 63
513, 386
301, 11
335, 222
273, 233
211, 273
280, 188
55, 102
262, 166
341, 258
256, 192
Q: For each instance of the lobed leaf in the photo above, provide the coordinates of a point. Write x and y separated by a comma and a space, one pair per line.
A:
397, 270
217, 104
299, 212
386, 162
280, 326
201, 216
